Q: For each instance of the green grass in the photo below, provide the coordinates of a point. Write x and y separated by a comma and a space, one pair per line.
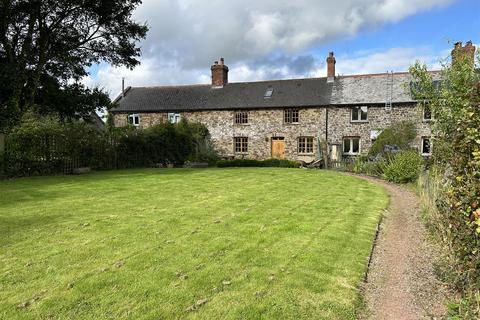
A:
258, 243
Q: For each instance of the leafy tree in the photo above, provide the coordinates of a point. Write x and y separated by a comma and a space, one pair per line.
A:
455, 105
400, 134
59, 39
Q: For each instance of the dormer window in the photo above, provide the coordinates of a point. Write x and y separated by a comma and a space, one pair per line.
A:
268, 93
360, 114
134, 119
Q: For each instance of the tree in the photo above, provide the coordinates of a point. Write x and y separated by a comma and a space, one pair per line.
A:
59, 39
455, 105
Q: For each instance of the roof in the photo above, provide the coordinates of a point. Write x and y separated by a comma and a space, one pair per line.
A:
374, 88
310, 92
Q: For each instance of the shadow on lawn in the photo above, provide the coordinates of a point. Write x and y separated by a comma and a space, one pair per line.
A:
14, 227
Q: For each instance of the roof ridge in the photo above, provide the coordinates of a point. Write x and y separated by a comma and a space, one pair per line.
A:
364, 75
173, 86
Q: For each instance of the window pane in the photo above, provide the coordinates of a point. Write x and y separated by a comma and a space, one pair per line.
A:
364, 112
295, 116
355, 114
426, 145
309, 144
427, 114
286, 115
346, 146
355, 145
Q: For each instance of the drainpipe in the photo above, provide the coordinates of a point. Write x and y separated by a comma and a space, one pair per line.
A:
326, 138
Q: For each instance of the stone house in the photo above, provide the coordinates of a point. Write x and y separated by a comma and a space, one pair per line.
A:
285, 118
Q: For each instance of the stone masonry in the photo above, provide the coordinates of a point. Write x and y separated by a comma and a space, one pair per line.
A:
264, 124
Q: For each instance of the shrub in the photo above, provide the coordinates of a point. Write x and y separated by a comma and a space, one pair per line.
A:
369, 167
404, 167
258, 163
455, 105
399, 135
43, 145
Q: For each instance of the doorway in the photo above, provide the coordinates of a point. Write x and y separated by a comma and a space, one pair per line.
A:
278, 147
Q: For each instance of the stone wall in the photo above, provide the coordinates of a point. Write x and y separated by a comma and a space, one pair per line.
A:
262, 126
340, 124
267, 123
146, 119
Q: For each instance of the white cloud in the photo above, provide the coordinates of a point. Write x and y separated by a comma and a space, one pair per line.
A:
260, 39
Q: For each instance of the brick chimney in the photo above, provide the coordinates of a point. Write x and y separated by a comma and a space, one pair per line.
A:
331, 67
219, 74
461, 53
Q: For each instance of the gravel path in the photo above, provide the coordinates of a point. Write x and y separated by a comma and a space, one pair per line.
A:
401, 283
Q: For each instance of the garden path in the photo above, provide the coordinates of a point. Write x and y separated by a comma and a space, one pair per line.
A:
401, 281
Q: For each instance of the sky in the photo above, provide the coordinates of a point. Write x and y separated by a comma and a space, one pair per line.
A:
283, 39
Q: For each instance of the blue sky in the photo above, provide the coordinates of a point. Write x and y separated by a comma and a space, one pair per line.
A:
278, 39
459, 21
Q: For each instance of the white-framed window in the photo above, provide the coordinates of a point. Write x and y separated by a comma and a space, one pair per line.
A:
134, 119
290, 116
240, 144
427, 113
305, 145
241, 117
360, 114
174, 117
351, 145
426, 146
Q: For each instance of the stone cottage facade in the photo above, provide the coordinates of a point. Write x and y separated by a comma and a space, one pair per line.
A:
285, 118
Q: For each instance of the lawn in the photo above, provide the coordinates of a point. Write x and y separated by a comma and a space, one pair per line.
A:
251, 243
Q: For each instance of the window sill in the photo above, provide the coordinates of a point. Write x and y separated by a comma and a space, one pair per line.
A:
241, 124
291, 123
305, 154
358, 121
351, 154
241, 153
426, 154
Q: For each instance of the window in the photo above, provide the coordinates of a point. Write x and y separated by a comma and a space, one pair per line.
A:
241, 117
290, 115
305, 145
351, 145
268, 93
240, 144
426, 146
134, 119
174, 117
359, 114
427, 113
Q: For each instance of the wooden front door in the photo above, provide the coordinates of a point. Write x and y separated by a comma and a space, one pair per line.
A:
278, 147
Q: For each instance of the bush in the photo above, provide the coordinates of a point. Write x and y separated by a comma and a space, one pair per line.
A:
258, 163
404, 167
369, 167
454, 103
42, 145
399, 135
